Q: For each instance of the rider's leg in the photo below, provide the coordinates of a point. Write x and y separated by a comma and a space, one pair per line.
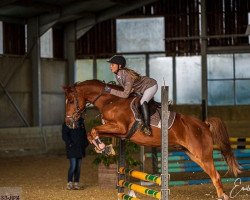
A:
147, 96
146, 118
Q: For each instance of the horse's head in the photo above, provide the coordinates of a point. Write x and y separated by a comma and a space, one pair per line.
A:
79, 94
74, 105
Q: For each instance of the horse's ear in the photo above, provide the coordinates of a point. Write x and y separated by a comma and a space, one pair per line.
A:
65, 88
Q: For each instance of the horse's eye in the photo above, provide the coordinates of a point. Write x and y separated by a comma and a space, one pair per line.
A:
69, 101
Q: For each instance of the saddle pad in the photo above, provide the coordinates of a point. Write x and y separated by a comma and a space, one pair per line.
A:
155, 118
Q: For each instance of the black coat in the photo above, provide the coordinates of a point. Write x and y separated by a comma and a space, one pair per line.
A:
75, 140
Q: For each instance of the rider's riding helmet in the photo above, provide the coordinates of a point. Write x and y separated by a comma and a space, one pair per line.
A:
118, 59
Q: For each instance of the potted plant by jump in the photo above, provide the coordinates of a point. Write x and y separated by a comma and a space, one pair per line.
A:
107, 165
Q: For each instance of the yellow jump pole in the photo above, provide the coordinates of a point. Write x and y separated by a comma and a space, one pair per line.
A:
239, 139
141, 175
123, 196
140, 189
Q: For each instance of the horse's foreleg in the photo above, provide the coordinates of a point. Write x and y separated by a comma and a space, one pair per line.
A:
105, 129
94, 139
208, 166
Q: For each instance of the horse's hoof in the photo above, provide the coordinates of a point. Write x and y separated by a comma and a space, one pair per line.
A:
109, 151
98, 151
223, 197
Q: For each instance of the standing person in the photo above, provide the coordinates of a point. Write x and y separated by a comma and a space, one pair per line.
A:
76, 142
131, 81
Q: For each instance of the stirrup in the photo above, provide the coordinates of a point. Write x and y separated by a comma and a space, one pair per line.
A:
146, 130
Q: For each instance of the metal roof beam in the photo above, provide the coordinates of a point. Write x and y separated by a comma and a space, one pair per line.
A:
38, 6
83, 25
88, 20
12, 20
62, 19
7, 2
119, 10
69, 13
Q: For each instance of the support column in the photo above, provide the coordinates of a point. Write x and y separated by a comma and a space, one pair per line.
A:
174, 81
164, 143
204, 88
70, 49
33, 49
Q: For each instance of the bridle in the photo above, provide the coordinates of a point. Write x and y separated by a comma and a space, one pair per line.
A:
78, 111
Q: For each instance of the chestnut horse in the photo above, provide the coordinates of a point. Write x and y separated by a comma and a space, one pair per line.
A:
193, 136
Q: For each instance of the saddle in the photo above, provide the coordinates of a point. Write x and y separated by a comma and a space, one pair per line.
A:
154, 110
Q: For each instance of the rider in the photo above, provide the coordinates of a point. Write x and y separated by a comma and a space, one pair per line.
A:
131, 81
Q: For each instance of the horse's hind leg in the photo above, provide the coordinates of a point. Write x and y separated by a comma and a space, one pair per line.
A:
208, 166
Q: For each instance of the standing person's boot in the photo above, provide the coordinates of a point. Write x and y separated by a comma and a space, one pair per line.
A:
146, 118
76, 186
69, 186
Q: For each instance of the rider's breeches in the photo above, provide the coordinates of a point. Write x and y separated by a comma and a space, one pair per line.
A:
149, 94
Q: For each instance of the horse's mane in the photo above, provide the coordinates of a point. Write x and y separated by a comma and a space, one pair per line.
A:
97, 83
89, 82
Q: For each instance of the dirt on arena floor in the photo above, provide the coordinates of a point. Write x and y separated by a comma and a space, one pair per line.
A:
44, 177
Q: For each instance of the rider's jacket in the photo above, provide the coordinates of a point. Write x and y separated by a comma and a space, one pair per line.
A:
130, 85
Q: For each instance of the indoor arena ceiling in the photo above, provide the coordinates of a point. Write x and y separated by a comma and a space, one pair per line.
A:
52, 12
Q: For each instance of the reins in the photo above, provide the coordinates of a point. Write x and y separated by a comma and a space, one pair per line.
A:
78, 110
100, 94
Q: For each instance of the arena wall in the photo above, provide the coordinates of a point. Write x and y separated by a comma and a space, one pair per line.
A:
30, 141
16, 77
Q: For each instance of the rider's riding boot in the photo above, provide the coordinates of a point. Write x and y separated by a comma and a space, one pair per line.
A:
145, 112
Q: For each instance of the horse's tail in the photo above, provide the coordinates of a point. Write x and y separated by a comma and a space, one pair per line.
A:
221, 139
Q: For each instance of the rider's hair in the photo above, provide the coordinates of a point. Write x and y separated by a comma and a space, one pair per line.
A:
135, 75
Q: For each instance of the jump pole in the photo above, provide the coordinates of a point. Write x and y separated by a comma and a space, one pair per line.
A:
164, 143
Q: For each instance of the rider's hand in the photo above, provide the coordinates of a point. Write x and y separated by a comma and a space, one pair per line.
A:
107, 89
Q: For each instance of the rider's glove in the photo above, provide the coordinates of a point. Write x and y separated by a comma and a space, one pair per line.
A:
107, 89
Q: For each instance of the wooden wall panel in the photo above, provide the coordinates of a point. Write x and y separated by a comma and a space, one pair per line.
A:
242, 9
58, 43
226, 17
100, 40
215, 21
13, 39
182, 19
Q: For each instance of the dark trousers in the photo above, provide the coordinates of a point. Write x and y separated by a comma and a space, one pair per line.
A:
74, 169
